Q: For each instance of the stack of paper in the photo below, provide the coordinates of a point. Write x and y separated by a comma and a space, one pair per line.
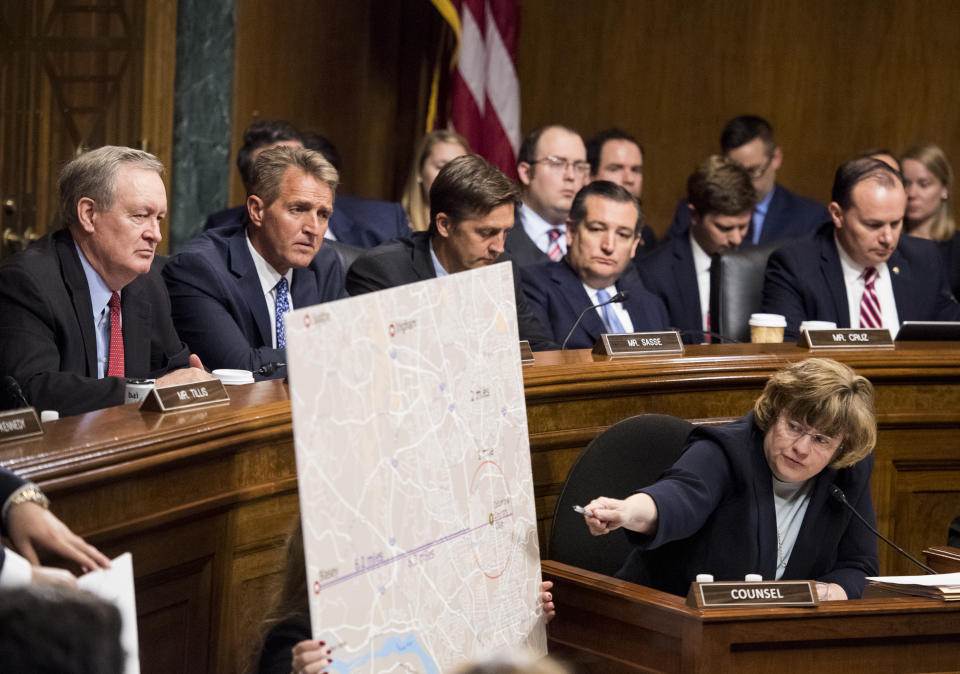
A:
945, 586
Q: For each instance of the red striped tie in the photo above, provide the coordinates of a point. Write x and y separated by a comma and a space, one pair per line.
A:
869, 305
115, 364
553, 249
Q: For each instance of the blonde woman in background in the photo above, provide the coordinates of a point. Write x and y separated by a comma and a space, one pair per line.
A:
433, 151
928, 179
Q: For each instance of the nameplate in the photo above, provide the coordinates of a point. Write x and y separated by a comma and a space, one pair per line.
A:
526, 353
848, 338
638, 344
17, 424
768, 593
185, 396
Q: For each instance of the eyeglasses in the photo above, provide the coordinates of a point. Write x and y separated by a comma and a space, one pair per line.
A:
758, 171
560, 165
794, 430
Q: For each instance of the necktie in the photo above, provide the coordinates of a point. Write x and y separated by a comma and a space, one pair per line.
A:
115, 363
553, 248
282, 306
869, 305
613, 324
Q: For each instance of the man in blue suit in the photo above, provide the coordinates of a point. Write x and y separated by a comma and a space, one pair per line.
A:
779, 213
603, 232
720, 200
357, 222
858, 271
230, 287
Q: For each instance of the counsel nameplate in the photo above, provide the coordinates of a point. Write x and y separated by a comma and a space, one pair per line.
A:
769, 593
638, 344
848, 338
185, 396
17, 424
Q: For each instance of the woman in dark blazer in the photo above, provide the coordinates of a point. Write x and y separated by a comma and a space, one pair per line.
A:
755, 496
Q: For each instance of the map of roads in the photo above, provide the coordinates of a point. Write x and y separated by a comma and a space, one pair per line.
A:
414, 470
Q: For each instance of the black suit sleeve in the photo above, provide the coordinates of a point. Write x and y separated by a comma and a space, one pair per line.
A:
366, 275
277, 654
782, 295
530, 322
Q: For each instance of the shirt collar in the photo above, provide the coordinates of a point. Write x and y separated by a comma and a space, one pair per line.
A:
437, 267
701, 261
592, 292
763, 206
851, 270
536, 226
269, 277
99, 290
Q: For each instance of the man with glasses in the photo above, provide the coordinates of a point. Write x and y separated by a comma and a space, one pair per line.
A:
602, 236
552, 165
779, 214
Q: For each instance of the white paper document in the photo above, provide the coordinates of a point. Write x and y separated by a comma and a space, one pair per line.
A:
115, 585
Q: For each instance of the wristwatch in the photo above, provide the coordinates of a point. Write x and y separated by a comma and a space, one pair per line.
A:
26, 493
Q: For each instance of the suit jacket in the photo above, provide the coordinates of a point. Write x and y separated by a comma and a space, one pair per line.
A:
716, 515
556, 297
218, 303
408, 261
789, 216
47, 334
354, 221
669, 274
804, 281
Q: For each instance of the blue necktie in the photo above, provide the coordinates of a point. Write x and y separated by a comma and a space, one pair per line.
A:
282, 306
614, 326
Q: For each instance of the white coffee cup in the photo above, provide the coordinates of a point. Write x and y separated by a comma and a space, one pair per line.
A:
767, 328
138, 390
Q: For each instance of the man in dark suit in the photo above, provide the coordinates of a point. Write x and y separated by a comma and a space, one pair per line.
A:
779, 213
603, 232
231, 286
615, 155
355, 222
720, 200
858, 271
84, 308
32, 528
471, 211
552, 166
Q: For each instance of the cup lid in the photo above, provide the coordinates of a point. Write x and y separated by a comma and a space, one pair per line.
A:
768, 320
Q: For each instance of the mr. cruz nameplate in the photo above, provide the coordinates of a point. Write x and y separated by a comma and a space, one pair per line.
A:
638, 344
772, 593
185, 396
848, 338
17, 424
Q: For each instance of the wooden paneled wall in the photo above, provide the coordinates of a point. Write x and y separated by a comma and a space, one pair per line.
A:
834, 78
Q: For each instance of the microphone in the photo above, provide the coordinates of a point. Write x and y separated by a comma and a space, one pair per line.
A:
11, 395
619, 297
715, 335
268, 369
837, 494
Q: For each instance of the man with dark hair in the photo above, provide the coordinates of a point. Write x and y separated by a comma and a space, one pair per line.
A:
552, 166
779, 213
471, 210
355, 221
84, 308
720, 201
858, 271
231, 286
615, 155
602, 238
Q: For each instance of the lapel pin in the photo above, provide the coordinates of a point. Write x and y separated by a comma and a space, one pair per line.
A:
896, 270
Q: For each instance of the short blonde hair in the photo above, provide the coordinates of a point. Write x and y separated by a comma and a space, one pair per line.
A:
825, 395
271, 165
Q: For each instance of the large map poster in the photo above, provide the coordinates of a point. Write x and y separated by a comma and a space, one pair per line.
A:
413, 462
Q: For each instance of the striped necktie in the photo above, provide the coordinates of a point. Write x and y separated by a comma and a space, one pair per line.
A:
869, 304
553, 248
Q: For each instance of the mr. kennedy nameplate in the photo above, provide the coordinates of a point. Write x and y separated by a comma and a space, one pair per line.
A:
639, 344
795, 593
18, 424
185, 396
847, 338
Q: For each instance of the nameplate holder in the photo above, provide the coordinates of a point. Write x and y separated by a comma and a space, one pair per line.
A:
526, 353
848, 338
638, 344
185, 396
796, 593
19, 424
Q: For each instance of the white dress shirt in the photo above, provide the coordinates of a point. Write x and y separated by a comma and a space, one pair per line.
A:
701, 267
853, 279
100, 295
538, 229
269, 278
618, 309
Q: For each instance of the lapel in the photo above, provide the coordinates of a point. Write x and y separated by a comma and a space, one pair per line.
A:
76, 283
902, 289
811, 533
420, 256
635, 306
833, 276
766, 511
773, 222
248, 282
576, 300
685, 276
304, 288
137, 329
